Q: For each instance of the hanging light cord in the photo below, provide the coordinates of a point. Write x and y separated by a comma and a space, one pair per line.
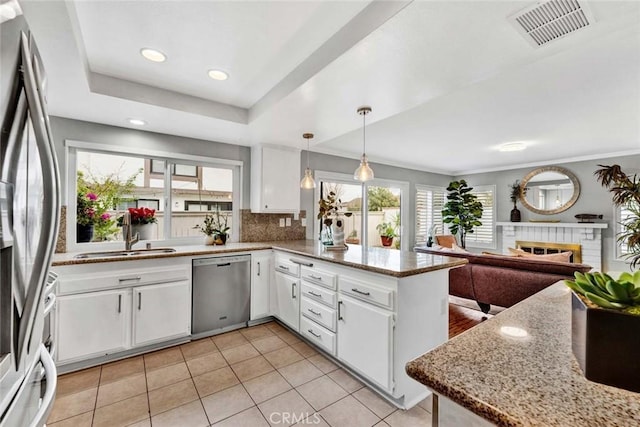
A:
307, 153
364, 139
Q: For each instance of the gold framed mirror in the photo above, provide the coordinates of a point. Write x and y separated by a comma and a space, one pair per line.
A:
549, 190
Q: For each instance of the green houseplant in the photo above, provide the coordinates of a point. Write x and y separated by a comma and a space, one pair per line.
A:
215, 227
387, 232
462, 211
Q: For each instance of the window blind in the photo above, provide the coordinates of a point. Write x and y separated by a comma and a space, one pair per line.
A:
429, 205
624, 214
484, 235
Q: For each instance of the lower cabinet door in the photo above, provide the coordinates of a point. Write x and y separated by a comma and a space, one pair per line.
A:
260, 271
287, 290
92, 324
365, 339
161, 312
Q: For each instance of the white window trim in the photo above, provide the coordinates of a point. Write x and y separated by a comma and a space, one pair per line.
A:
493, 244
432, 188
71, 147
617, 228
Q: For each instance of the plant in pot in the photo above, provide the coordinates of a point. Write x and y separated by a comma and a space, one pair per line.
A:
516, 192
86, 215
462, 211
606, 311
330, 208
387, 232
220, 227
207, 229
141, 222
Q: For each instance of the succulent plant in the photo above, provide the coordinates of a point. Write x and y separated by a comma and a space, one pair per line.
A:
604, 291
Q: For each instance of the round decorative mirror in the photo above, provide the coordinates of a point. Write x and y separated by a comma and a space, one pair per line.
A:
549, 190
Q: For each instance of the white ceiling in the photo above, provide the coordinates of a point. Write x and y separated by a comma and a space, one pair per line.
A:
448, 81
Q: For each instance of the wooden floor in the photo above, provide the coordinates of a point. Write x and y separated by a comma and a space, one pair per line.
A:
462, 318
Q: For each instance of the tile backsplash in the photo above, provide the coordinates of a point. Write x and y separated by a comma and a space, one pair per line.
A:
61, 242
259, 227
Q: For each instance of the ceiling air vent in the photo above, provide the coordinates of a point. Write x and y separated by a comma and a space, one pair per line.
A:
550, 20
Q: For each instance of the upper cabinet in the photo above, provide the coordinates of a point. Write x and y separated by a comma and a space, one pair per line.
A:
275, 179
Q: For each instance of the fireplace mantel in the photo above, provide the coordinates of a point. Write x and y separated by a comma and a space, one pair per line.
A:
554, 224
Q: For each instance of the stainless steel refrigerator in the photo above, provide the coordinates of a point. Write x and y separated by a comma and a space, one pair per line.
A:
29, 217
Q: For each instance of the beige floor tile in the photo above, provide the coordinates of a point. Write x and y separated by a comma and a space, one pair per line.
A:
288, 337
168, 375
322, 363
144, 423
78, 381
286, 409
304, 349
214, 381
120, 390
374, 402
382, 424
321, 392
283, 357
162, 358
122, 413
117, 370
251, 417
270, 343
82, 420
192, 415
315, 420
256, 332
266, 386
349, 412
426, 403
414, 417
73, 404
228, 340
274, 326
252, 368
206, 363
172, 396
300, 372
198, 348
226, 403
345, 380
240, 353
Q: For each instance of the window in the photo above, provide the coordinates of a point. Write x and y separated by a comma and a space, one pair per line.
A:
197, 186
621, 214
484, 236
429, 205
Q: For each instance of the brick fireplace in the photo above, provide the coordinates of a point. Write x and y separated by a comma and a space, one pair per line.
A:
587, 236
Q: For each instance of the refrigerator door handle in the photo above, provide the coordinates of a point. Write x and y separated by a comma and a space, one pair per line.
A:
50, 393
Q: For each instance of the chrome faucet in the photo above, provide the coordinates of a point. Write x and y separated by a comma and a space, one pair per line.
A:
126, 232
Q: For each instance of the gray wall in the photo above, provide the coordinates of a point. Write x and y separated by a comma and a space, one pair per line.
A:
328, 163
103, 134
593, 199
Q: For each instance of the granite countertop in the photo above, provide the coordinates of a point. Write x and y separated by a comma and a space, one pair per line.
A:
378, 260
514, 380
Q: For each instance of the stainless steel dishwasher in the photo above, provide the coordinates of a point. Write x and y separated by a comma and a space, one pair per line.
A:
221, 294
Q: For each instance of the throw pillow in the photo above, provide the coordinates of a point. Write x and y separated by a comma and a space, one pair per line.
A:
458, 249
559, 257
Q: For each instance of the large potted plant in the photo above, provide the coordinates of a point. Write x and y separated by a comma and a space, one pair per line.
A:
462, 211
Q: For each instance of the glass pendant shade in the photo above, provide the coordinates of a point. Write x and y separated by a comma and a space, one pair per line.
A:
307, 182
364, 172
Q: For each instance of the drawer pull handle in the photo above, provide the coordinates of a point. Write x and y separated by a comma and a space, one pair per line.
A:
258, 268
139, 300
315, 277
312, 311
340, 311
314, 334
283, 267
293, 288
120, 303
358, 291
130, 279
306, 264
314, 294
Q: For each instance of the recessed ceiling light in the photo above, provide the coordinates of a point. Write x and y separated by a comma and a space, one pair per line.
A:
218, 75
512, 146
153, 55
137, 122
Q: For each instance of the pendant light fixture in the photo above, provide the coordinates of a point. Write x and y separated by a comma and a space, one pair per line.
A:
364, 172
307, 181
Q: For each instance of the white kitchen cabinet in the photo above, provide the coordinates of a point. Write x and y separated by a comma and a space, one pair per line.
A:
161, 312
365, 339
260, 272
92, 324
275, 179
287, 304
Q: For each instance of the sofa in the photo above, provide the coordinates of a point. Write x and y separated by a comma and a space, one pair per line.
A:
500, 279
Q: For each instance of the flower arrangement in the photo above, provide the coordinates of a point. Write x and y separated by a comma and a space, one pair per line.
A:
87, 208
215, 224
329, 207
140, 216
516, 191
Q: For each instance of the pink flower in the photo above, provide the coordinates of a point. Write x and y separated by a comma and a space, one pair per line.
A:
91, 212
105, 216
92, 196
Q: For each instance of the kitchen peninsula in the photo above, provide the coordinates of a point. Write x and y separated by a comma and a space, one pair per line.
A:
518, 369
370, 309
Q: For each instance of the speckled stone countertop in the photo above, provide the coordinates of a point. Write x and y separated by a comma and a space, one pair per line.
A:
378, 260
530, 380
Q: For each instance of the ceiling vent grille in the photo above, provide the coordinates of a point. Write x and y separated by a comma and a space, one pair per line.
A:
550, 20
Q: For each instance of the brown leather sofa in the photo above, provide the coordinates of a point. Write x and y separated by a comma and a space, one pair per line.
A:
502, 280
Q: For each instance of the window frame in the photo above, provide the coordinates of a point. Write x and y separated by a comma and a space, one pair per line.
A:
432, 188
73, 146
620, 254
493, 243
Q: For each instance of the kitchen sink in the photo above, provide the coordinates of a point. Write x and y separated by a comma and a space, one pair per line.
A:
133, 252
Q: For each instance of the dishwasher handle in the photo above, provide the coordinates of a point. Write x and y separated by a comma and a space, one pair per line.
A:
226, 264
221, 261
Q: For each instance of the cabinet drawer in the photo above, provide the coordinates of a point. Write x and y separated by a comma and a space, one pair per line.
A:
283, 265
319, 277
319, 313
318, 335
319, 294
366, 292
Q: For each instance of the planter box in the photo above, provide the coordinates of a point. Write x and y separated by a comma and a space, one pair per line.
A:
606, 344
